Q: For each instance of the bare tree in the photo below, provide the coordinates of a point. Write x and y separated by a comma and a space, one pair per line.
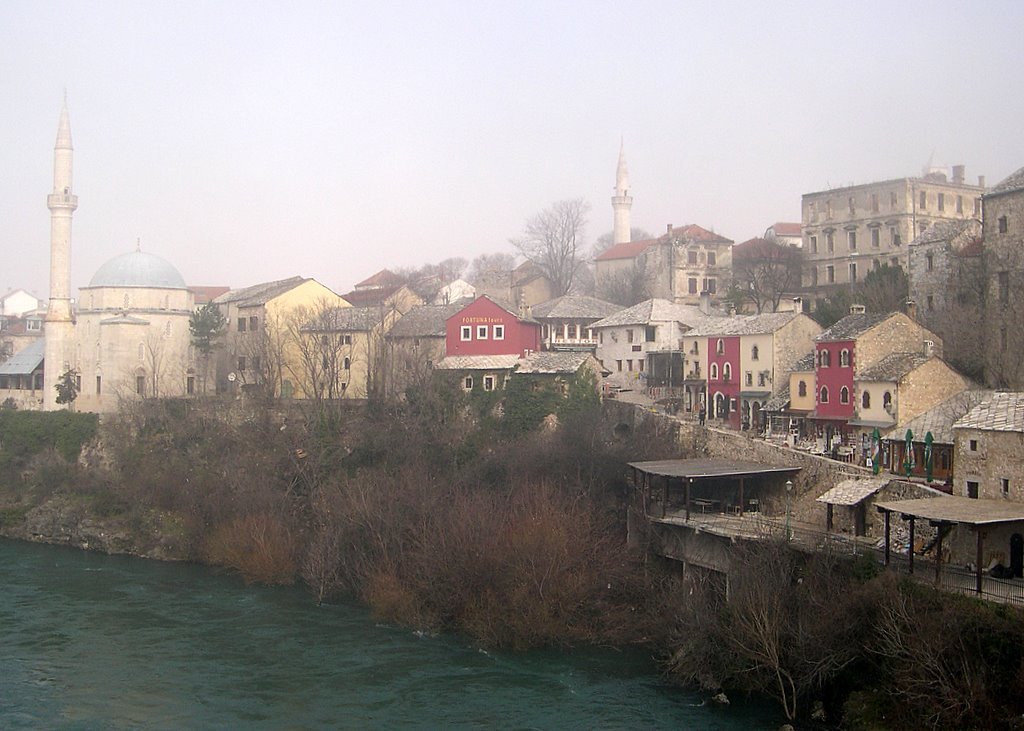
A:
627, 287
765, 271
489, 263
553, 241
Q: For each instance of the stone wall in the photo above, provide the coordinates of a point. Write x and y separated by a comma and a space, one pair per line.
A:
998, 456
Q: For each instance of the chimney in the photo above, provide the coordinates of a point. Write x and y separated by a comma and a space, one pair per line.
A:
958, 174
929, 348
911, 306
705, 302
798, 304
857, 309
981, 181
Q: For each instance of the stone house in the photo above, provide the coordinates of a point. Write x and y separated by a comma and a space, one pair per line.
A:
416, 343
786, 233
264, 322
848, 231
989, 444
567, 322
522, 287
1003, 231
945, 266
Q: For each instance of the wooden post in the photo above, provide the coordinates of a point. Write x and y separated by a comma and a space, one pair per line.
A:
910, 548
978, 562
742, 504
938, 555
664, 497
828, 517
689, 489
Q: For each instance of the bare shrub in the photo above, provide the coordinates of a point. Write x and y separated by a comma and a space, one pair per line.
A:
260, 547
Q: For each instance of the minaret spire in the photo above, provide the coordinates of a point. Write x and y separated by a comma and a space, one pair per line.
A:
621, 201
62, 203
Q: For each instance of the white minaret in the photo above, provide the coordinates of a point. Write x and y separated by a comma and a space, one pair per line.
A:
622, 201
62, 203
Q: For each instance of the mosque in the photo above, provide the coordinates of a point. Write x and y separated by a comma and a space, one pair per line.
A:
127, 338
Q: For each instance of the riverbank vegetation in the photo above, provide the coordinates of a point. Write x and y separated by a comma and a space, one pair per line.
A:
442, 514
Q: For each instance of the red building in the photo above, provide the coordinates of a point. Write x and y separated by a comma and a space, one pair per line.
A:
486, 328
724, 379
834, 380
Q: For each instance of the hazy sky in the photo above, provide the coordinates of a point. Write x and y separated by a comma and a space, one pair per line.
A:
246, 142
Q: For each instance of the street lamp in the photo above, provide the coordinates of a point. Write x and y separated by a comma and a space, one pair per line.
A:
789, 500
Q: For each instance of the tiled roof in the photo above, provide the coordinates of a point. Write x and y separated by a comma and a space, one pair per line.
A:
806, 363
699, 234
383, 278
786, 228
627, 250
25, 360
1002, 411
766, 323
372, 296
853, 491
948, 231
654, 310
779, 401
552, 362
477, 362
204, 294
426, 321
939, 419
260, 294
852, 326
509, 308
575, 306
893, 367
1013, 182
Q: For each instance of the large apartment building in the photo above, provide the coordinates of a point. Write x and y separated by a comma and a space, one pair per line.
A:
849, 231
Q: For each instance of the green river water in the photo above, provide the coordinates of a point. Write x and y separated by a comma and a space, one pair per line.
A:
89, 641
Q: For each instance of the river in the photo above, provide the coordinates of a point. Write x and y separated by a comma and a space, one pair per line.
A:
89, 641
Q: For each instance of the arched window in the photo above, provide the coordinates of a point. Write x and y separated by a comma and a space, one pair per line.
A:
844, 358
754, 353
142, 352
865, 400
720, 347
886, 400
844, 395
824, 359
802, 389
824, 395
714, 371
726, 372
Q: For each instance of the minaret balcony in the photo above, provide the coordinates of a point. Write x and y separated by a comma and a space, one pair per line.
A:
62, 200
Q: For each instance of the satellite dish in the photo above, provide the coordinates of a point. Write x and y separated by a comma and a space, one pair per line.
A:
232, 377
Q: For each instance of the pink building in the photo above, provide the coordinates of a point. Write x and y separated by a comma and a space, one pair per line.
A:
485, 327
724, 379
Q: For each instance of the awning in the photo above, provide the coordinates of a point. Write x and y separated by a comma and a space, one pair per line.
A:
955, 509
25, 361
708, 468
853, 491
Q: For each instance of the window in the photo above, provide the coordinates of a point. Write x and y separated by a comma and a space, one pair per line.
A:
814, 277
876, 263
1003, 225
941, 202
853, 272
874, 202
814, 244
865, 400
629, 365
691, 285
876, 237
893, 199
894, 236
347, 364
467, 383
255, 365
853, 205
190, 385
830, 274
754, 352
844, 395
929, 303
346, 339
140, 385
241, 324
830, 241
923, 200
650, 333
974, 445
467, 332
726, 371
629, 335
570, 331
959, 204
254, 323
828, 208
748, 378
972, 489
498, 332
887, 401
710, 285
977, 207
640, 364
844, 358
851, 240
488, 383
711, 258
99, 385
824, 395
801, 389
1004, 286
929, 262
33, 325
691, 258
720, 347
1005, 484
762, 378
618, 366
824, 358
481, 332
714, 371
241, 363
